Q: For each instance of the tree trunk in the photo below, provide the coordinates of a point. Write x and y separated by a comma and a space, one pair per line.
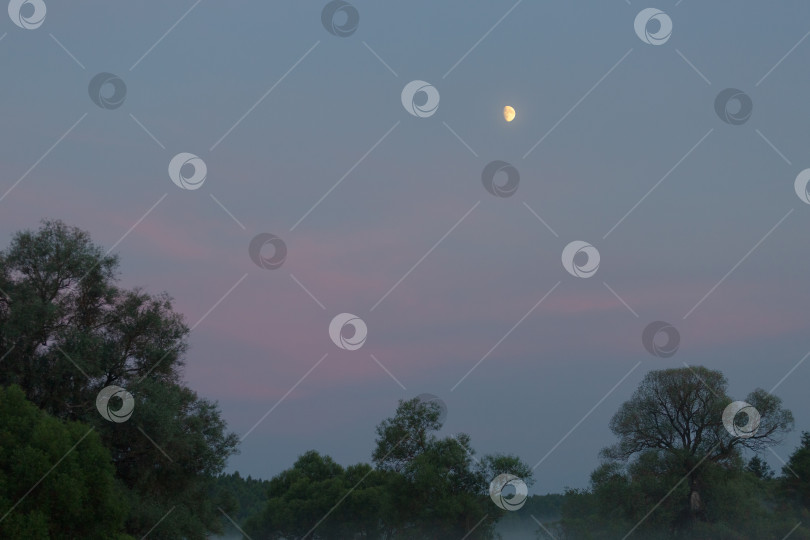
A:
695, 501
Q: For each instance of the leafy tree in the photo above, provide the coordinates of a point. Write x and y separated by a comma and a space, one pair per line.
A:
578, 516
680, 411
405, 436
422, 487
442, 491
645, 497
759, 468
241, 497
676, 472
179, 475
677, 413
796, 474
74, 495
318, 498
67, 331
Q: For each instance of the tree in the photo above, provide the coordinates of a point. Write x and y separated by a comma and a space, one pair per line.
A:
422, 487
405, 436
179, 475
646, 497
759, 468
67, 331
318, 498
672, 429
241, 497
680, 411
78, 498
796, 473
441, 490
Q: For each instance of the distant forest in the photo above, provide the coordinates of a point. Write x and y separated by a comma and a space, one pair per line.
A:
100, 438
658, 495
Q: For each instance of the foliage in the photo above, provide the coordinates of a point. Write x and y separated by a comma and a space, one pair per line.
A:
676, 472
67, 331
74, 495
759, 468
422, 487
316, 495
680, 411
242, 497
796, 473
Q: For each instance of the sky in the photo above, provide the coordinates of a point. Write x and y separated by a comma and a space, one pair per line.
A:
384, 214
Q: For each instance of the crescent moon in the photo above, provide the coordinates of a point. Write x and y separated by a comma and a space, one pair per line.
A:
508, 113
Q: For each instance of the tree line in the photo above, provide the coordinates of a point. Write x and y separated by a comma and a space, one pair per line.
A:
101, 438
682, 468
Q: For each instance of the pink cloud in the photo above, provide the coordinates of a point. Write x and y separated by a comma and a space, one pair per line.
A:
438, 318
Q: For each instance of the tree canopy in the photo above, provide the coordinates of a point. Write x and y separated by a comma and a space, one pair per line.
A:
797, 472
78, 499
421, 486
677, 470
67, 330
680, 411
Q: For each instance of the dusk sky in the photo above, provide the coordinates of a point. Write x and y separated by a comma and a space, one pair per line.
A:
385, 216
